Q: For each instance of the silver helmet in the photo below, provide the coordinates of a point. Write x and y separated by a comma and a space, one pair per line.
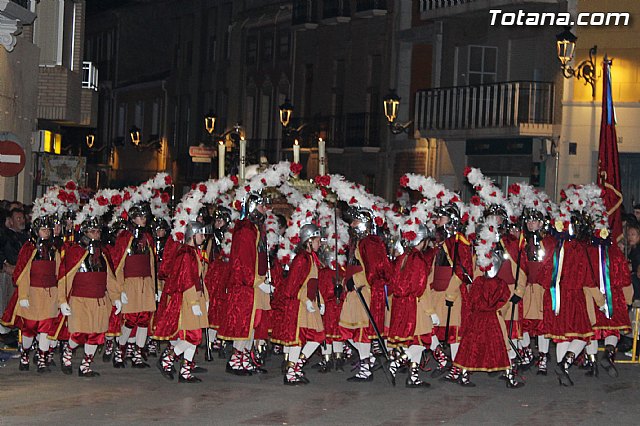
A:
222, 213
497, 258
422, 233
250, 207
450, 211
39, 223
308, 231
139, 210
364, 225
328, 258
91, 223
194, 228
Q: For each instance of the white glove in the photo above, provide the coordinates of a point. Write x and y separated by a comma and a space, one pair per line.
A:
158, 296
266, 288
24, 303
310, 307
435, 319
196, 310
118, 305
123, 298
65, 309
321, 309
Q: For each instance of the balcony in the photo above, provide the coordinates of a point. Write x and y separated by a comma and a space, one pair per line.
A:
370, 8
438, 9
336, 12
304, 15
515, 108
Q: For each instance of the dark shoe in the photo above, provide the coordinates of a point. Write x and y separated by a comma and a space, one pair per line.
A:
89, 373
167, 374
608, 361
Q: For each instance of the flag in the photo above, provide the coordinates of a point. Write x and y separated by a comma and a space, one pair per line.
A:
608, 160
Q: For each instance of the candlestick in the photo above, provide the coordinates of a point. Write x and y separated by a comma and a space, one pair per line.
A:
221, 152
321, 157
243, 156
296, 151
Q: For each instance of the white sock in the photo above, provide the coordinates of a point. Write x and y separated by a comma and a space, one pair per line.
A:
180, 347
4, 330
592, 347
611, 340
189, 351
526, 339
326, 350
415, 352
212, 333
512, 353
338, 347
576, 346
294, 353
90, 349
124, 335
309, 349
543, 344
141, 336
364, 350
434, 342
561, 350
43, 342
73, 344
454, 350
27, 342
173, 342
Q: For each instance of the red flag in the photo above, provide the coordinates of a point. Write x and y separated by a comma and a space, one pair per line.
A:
608, 160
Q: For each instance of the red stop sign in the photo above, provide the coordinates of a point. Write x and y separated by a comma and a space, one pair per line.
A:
12, 158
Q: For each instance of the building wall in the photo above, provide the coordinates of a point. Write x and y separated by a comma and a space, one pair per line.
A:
18, 102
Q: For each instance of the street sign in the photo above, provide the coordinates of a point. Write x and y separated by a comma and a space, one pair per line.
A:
201, 159
12, 158
202, 151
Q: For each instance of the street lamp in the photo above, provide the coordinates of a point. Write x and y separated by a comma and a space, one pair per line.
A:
134, 133
286, 110
391, 104
566, 47
210, 122
90, 140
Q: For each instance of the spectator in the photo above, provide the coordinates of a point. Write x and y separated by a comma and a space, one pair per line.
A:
633, 238
13, 239
636, 212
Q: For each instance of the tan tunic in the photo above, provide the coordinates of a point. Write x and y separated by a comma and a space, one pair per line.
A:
306, 319
191, 297
43, 302
140, 291
353, 314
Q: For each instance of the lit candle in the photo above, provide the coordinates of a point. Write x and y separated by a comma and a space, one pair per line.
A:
221, 152
243, 156
296, 151
321, 157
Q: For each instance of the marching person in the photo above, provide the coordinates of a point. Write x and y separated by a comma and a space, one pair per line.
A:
181, 314
86, 291
332, 291
300, 327
134, 258
412, 312
368, 271
248, 289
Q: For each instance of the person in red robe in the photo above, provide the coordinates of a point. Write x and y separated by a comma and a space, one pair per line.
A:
300, 327
412, 312
369, 269
614, 282
134, 266
181, 314
484, 345
248, 289
37, 307
87, 290
332, 291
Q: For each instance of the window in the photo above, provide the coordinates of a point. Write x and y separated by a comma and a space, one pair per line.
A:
482, 64
284, 42
252, 50
267, 48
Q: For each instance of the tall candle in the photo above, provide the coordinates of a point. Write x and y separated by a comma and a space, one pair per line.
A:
243, 157
221, 152
296, 151
321, 157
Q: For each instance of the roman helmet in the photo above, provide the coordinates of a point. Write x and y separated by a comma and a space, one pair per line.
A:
194, 228
308, 231
250, 207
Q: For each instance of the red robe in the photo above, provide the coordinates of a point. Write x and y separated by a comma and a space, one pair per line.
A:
9, 317
538, 274
572, 321
378, 270
408, 285
332, 306
287, 331
483, 346
184, 276
508, 273
620, 278
240, 316
216, 281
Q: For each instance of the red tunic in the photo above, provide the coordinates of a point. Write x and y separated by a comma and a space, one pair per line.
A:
483, 346
331, 317
620, 278
9, 317
538, 275
240, 316
408, 285
378, 270
572, 321
216, 281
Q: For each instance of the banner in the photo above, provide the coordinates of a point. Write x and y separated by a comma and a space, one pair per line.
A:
58, 169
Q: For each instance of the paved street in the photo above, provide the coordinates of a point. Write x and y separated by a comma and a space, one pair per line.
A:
143, 396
